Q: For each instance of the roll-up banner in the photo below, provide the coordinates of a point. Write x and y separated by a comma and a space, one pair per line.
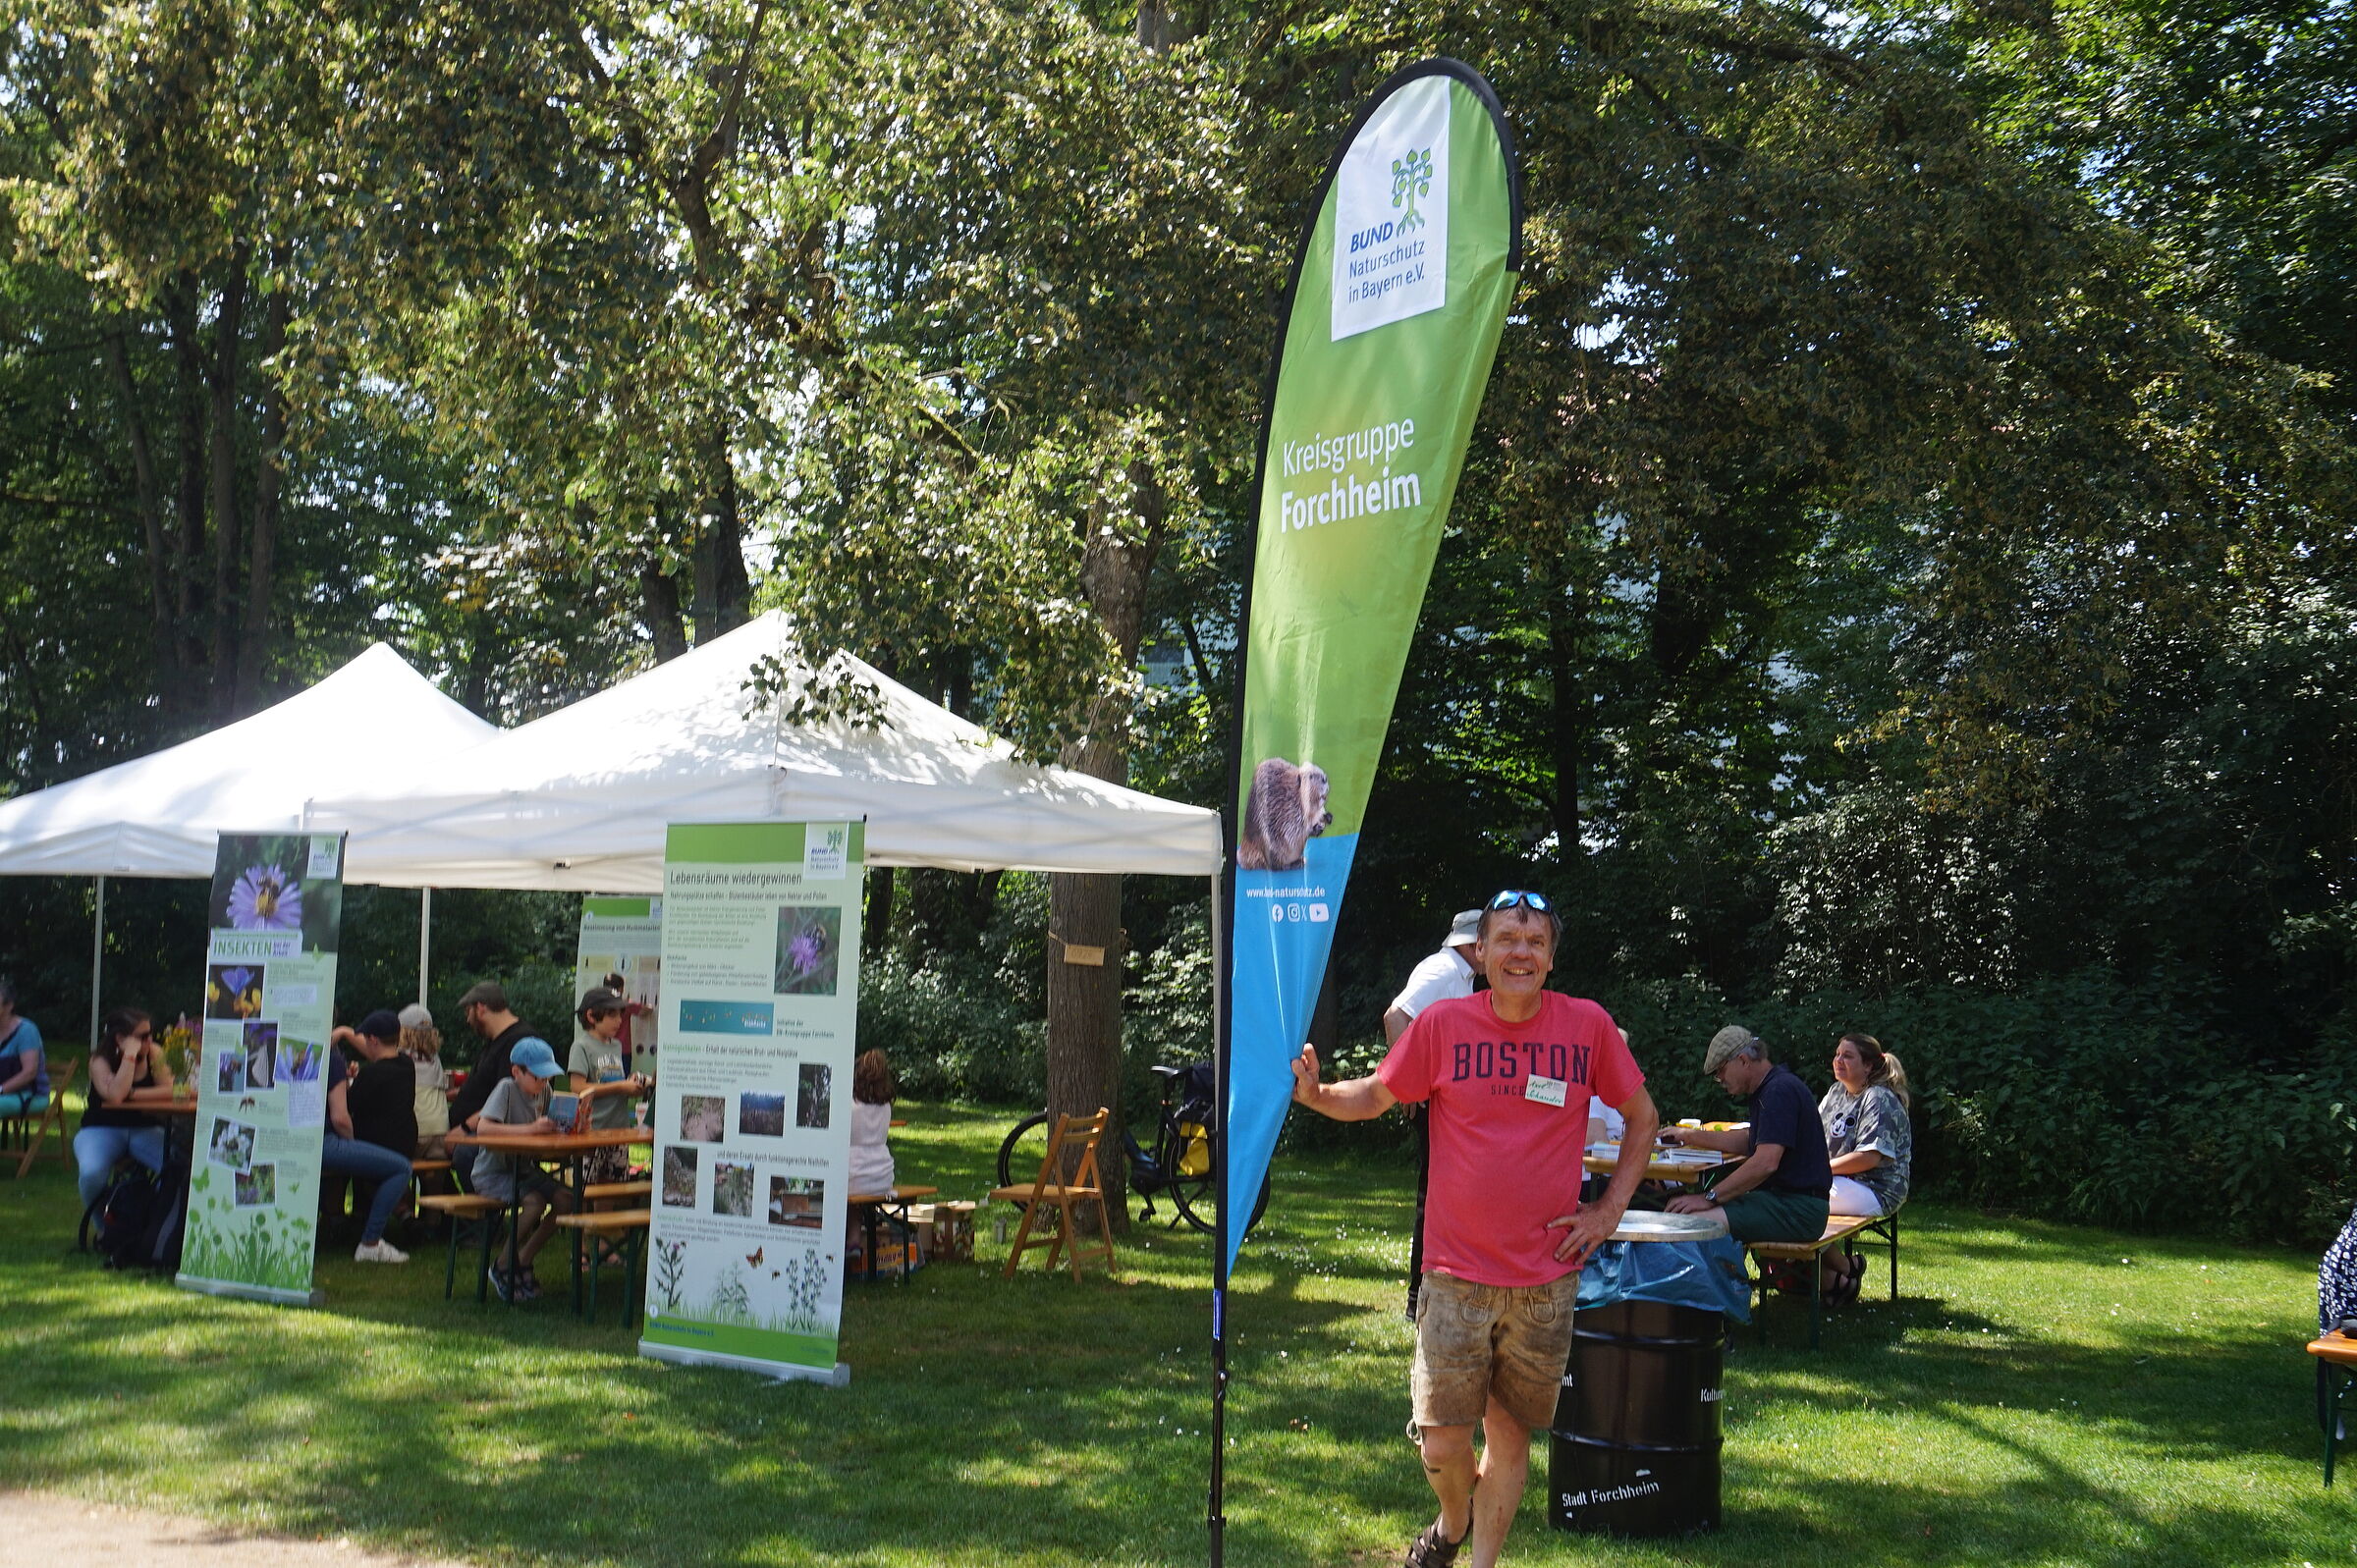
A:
621, 938
752, 1112
276, 908
1397, 298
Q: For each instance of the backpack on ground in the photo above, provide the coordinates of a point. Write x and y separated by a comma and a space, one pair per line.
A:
139, 1218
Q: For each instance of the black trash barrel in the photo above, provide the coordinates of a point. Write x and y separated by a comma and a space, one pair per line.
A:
1635, 1449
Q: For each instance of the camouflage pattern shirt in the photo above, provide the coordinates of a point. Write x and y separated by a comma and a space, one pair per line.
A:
1873, 1120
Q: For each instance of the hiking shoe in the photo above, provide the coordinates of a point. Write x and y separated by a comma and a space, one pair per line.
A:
501, 1285
379, 1251
1432, 1550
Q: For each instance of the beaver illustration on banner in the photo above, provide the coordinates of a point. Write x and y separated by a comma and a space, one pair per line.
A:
1284, 811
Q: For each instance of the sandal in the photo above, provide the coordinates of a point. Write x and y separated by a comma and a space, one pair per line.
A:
1432, 1550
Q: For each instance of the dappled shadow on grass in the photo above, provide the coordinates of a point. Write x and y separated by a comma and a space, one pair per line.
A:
1034, 1420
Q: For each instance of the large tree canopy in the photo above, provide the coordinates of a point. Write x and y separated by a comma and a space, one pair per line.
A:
1906, 543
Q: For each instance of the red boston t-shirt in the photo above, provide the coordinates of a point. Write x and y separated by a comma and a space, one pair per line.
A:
1503, 1161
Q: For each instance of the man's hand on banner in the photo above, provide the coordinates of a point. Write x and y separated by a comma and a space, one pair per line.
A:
1305, 1076
1352, 1100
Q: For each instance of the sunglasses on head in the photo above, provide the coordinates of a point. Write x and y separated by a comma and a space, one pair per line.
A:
1518, 899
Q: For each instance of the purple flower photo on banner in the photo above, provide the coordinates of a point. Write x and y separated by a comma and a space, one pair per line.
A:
233, 991
265, 898
808, 942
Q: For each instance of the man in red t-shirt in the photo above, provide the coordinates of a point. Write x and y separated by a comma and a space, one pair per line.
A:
1508, 1075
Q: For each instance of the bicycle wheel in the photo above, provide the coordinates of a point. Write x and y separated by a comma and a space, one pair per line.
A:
1194, 1197
1022, 1151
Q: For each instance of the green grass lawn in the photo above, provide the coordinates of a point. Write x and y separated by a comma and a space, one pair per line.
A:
2044, 1395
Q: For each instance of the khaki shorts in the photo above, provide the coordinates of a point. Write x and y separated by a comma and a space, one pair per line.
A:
1475, 1343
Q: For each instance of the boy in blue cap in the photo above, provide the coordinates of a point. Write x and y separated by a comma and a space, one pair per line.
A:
520, 1105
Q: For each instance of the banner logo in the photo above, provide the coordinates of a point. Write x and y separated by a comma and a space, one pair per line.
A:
1391, 213
1411, 177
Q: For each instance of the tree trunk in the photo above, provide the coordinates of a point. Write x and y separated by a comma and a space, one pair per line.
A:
1566, 632
1085, 1020
226, 327
878, 930
722, 592
482, 654
188, 446
151, 508
1084, 1001
262, 559
659, 596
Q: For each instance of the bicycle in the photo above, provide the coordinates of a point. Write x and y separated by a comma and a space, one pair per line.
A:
1181, 1165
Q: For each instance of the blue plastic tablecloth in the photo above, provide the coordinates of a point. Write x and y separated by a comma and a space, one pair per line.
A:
1708, 1274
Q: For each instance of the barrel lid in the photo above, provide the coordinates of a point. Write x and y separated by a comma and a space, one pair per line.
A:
1646, 1225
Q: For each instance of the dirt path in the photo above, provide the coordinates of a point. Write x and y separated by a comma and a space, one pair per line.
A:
95, 1535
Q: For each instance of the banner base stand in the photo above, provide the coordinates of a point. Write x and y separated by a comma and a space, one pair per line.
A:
837, 1376
313, 1297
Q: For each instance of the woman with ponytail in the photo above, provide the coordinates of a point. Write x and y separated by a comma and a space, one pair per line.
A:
1871, 1142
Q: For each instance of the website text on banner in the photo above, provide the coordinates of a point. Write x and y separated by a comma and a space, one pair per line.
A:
752, 1112
624, 937
1398, 298
275, 911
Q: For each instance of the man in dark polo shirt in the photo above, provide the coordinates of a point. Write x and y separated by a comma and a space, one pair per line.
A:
485, 1006
1780, 1191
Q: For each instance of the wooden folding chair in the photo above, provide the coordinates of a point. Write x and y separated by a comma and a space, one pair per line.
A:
62, 1071
1051, 1187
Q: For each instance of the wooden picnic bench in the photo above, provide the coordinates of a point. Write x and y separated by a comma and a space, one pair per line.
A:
607, 1224
1840, 1231
895, 1203
2335, 1355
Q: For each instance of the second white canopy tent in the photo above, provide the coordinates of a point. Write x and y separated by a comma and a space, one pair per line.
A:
581, 799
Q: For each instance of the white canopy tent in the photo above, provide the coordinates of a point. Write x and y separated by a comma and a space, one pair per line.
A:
375, 721
581, 799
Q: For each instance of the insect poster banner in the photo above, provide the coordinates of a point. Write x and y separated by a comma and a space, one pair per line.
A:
276, 908
1398, 296
760, 1009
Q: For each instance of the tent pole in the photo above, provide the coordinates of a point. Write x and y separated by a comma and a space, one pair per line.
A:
97, 954
426, 939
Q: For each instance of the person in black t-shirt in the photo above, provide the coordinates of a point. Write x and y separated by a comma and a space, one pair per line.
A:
371, 1123
1779, 1192
485, 1006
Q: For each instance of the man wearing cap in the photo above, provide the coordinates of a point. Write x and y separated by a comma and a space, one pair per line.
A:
484, 1005
371, 1123
1442, 977
1507, 1075
519, 1105
1781, 1190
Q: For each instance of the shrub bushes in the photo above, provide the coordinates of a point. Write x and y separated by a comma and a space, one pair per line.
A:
2076, 1097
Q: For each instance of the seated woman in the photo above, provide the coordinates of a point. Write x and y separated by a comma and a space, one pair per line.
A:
430, 1098
1871, 1140
872, 1090
24, 1065
124, 1059
871, 1170
2336, 1283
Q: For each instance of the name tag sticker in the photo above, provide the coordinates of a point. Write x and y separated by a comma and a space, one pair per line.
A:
1546, 1091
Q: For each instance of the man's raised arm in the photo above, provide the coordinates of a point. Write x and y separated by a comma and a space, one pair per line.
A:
1356, 1100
